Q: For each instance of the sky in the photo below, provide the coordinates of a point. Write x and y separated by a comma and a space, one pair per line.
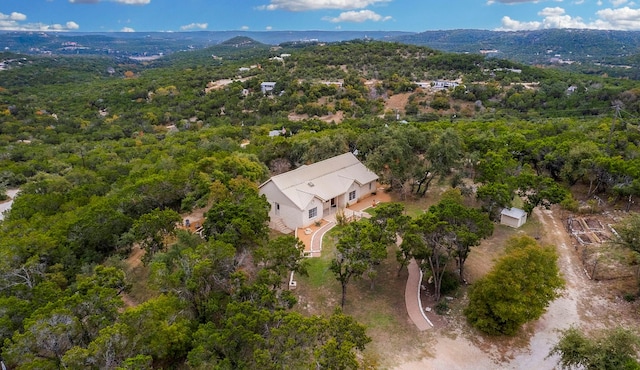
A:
300, 15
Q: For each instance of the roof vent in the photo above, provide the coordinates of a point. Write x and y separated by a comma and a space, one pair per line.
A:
310, 184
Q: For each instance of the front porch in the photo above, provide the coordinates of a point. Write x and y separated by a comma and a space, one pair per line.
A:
312, 236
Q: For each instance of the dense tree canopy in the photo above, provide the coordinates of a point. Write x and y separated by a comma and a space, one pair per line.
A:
609, 349
105, 160
517, 290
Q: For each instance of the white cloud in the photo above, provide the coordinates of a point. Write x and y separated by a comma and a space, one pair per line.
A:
15, 22
195, 26
244, 28
509, 24
618, 3
268, 28
15, 16
127, 29
304, 5
551, 12
357, 17
623, 19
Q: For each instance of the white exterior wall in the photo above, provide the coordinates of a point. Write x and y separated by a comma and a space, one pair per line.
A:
512, 221
293, 217
315, 202
289, 212
366, 190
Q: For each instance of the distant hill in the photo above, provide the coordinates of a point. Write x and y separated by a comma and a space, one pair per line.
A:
141, 43
241, 41
615, 53
535, 47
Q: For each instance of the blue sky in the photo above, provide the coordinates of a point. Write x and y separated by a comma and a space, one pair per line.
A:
281, 15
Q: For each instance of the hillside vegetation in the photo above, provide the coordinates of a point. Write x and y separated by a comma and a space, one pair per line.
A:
109, 152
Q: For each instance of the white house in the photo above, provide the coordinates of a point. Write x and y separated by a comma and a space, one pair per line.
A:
305, 195
514, 217
266, 87
441, 85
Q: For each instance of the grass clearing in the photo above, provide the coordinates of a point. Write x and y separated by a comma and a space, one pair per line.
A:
319, 267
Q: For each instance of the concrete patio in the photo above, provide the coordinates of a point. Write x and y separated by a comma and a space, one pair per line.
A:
312, 236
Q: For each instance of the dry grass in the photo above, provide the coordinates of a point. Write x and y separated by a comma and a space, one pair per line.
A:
381, 307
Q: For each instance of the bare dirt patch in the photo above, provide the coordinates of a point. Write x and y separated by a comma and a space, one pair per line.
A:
584, 303
336, 117
397, 102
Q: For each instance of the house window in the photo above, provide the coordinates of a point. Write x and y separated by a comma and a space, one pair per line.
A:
352, 195
313, 212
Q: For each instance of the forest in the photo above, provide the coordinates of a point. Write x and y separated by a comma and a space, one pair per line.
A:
108, 155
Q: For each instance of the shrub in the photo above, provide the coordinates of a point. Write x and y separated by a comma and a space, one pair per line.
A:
442, 308
450, 282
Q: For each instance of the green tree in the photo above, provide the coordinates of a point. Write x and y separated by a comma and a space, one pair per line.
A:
444, 154
357, 251
539, 191
494, 197
152, 229
159, 329
628, 232
517, 290
611, 349
239, 220
282, 255
251, 337
74, 319
198, 273
469, 225
433, 246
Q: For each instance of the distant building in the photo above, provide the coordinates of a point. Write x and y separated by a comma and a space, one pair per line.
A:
441, 85
274, 133
332, 83
267, 87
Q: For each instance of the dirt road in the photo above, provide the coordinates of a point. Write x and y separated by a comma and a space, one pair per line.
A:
581, 304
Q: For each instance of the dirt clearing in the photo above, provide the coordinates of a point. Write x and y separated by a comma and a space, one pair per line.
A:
457, 346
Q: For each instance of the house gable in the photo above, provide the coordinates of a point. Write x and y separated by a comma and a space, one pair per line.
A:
334, 182
324, 180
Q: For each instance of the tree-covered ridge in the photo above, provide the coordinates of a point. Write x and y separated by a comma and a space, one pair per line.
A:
111, 161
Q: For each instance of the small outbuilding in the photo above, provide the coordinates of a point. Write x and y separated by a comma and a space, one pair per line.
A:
514, 217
